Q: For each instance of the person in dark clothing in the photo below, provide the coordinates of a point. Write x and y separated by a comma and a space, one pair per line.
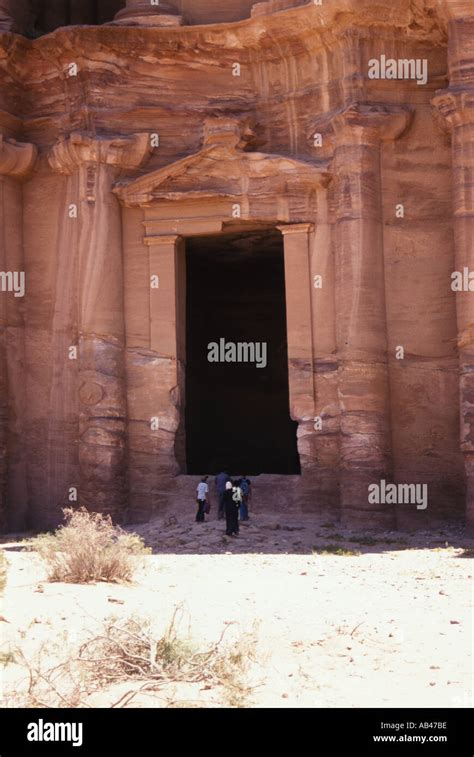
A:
231, 505
220, 481
245, 486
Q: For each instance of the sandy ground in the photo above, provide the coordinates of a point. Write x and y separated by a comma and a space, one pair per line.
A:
390, 626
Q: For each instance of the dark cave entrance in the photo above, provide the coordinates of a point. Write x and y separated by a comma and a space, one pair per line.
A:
48, 15
237, 414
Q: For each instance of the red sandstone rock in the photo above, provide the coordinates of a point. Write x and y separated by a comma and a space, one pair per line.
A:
121, 141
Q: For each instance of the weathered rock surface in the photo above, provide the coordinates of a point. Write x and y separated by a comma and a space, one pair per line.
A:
131, 132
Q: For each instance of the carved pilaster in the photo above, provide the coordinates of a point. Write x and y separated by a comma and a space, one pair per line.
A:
361, 329
371, 123
459, 15
456, 109
16, 162
124, 153
92, 165
299, 319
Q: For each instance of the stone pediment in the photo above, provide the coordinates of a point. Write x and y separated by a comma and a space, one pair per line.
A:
224, 168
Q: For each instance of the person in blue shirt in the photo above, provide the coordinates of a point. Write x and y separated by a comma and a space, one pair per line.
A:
220, 481
245, 485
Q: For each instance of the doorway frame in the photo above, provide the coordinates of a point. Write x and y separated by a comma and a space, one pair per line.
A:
167, 311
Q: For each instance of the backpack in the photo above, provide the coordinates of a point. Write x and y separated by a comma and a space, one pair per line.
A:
244, 486
237, 495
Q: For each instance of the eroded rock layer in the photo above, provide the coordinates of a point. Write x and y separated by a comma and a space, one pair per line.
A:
333, 139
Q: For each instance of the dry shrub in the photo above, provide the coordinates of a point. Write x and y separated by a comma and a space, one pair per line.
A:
89, 548
129, 651
62, 685
334, 549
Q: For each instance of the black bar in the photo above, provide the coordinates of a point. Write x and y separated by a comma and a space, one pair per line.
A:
153, 731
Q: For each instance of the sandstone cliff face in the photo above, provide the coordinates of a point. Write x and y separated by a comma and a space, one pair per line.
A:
121, 141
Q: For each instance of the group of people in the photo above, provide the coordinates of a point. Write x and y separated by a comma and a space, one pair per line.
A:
234, 498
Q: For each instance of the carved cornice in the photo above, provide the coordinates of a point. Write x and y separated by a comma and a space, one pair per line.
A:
124, 153
16, 158
372, 123
296, 228
162, 240
223, 163
147, 188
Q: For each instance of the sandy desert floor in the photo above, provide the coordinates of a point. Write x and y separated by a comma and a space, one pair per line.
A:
386, 623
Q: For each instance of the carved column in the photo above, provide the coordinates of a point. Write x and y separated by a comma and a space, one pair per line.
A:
149, 13
93, 165
456, 106
458, 110
360, 306
301, 363
156, 354
16, 162
168, 340
299, 326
